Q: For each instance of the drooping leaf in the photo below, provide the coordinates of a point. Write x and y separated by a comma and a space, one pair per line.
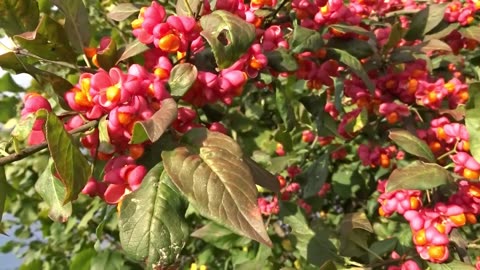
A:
122, 11
472, 32
425, 20
411, 144
261, 176
190, 8
72, 167
281, 60
18, 16
315, 176
228, 35
132, 49
108, 57
210, 172
313, 246
77, 23
54, 194
152, 224
305, 39
3, 191
182, 77
104, 145
354, 64
48, 41
418, 175
153, 128
452, 265
472, 119
220, 236
8, 84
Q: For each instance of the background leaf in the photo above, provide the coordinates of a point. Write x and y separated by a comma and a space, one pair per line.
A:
8, 84
315, 176
152, 226
18, 16
72, 167
77, 23
210, 172
122, 11
228, 35
472, 119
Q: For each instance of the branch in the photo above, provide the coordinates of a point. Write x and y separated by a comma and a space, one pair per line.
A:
36, 148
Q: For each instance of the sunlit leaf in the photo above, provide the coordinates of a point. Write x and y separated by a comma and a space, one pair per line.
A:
152, 224
23, 128
18, 16
220, 236
83, 259
305, 39
153, 128
228, 35
122, 11
418, 175
107, 260
104, 145
72, 167
8, 84
210, 172
189, 7
411, 144
54, 194
182, 77
425, 20
132, 49
281, 60
472, 32
472, 119
452, 265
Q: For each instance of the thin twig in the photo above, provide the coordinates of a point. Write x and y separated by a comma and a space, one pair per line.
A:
36, 148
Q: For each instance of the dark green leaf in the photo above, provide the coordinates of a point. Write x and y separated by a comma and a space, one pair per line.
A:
315, 176
284, 107
7, 108
418, 175
122, 11
313, 246
354, 232
108, 57
182, 77
190, 8
305, 39
281, 60
472, 32
210, 172
18, 16
411, 144
442, 30
153, 128
132, 49
356, 47
228, 35
382, 248
72, 167
48, 41
10, 61
453, 265
220, 236
472, 119
53, 193
425, 20
396, 34
152, 224
354, 64
83, 259
77, 23
8, 84
261, 176
3, 191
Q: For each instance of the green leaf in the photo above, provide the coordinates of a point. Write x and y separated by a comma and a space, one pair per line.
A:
152, 224
228, 35
48, 41
434, 45
18, 16
382, 248
122, 11
8, 84
411, 144
83, 259
8, 108
471, 32
10, 61
472, 119
452, 265
425, 20
72, 167
52, 191
182, 77
23, 128
284, 106
132, 49
105, 145
153, 128
108, 260
305, 39
282, 60
356, 47
220, 237
313, 246
261, 176
355, 229
210, 172
418, 175
3, 191
396, 34
77, 23
354, 64
108, 57
315, 176
345, 28
190, 8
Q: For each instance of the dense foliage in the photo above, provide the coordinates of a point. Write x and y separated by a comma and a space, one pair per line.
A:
263, 134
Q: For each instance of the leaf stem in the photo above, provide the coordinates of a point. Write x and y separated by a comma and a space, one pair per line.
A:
36, 148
